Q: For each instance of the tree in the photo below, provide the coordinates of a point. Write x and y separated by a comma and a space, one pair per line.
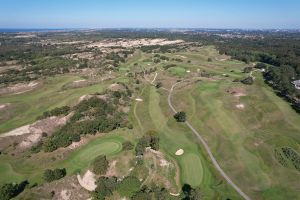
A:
209, 60
8, 191
100, 164
180, 117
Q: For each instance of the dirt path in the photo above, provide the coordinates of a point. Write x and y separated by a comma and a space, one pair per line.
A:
213, 159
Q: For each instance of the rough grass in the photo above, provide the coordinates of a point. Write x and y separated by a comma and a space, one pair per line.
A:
32, 104
244, 141
14, 169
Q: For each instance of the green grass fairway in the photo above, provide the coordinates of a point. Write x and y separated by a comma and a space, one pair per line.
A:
31, 104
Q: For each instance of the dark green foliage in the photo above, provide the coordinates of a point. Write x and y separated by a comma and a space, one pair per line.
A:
288, 157
169, 66
8, 191
280, 79
156, 193
247, 69
91, 116
127, 146
180, 117
105, 187
129, 186
209, 60
247, 81
100, 165
56, 112
147, 141
190, 193
158, 85
260, 66
52, 175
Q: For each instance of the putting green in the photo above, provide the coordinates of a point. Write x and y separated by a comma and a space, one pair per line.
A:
192, 169
82, 158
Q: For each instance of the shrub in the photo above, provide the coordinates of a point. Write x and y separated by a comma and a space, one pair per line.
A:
126, 146
247, 81
52, 175
100, 164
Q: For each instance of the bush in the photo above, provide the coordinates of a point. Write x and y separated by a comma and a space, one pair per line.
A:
247, 69
100, 165
180, 117
126, 146
247, 81
52, 175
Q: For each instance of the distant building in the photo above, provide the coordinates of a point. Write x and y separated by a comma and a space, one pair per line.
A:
297, 84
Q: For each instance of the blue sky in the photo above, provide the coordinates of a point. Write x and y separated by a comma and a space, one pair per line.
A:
150, 13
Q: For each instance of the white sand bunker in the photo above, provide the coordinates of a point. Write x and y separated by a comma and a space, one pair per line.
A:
3, 106
240, 106
139, 99
88, 181
179, 152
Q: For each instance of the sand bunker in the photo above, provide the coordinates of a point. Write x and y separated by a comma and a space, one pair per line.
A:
3, 106
88, 181
179, 152
139, 99
240, 106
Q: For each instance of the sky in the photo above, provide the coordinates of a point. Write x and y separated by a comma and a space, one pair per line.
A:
254, 14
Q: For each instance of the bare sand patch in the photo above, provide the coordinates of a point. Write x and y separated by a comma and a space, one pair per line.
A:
19, 88
133, 42
88, 181
65, 195
30, 140
237, 92
75, 145
179, 152
240, 106
111, 171
79, 81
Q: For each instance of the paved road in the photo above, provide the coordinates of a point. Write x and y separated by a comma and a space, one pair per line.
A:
214, 161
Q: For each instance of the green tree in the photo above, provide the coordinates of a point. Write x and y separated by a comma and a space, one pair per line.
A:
180, 117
